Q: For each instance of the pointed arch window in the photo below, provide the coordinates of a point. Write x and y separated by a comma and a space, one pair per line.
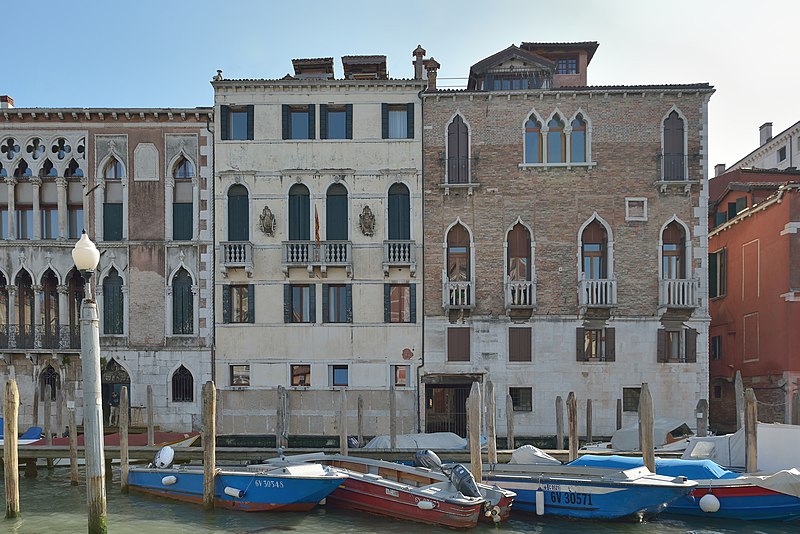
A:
49, 377
75, 291
113, 305
182, 385
238, 214
399, 213
299, 213
458, 261
73, 170
48, 170
336, 220
674, 157
577, 146
594, 244
112, 207
113, 170
182, 303
457, 152
22, 170
182, 202
519, 253
556, 141
3, 312
183, 170
673, 252
48, 310
533, 141
25, 310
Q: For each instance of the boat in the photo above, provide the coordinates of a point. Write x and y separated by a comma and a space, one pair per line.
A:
669, 435
294, 487
434, 494
587, 492
28, 437
776, 448
719, 492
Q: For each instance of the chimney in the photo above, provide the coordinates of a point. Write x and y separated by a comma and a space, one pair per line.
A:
6, 102
719, 168
418, 53
766, 132
431, 66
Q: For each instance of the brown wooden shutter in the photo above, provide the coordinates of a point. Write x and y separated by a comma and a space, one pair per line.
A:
224, 115
691, 345
661, 346
458, 344
580, 354
610, 345
385, 121
323, 121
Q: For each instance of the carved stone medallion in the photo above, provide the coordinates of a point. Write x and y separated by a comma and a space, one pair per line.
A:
367, 222
267, 222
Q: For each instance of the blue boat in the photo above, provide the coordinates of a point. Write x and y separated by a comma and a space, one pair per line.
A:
290, 487
721, 493
587, 492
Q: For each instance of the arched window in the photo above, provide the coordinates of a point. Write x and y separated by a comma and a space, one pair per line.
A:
577, 146
533, 141
3, 311
556, 141
49, 310
182, 303
25, 309
47, 170
673, 246
22, 170
674, 155
3, 172
457, 152
238, 214
458, 263
113, 223
182, 385
113, 170
183, 169
519, 253
594, 254
49, 377
399, 213
75, 291
73, 170
336, 213
113, 305
299, 213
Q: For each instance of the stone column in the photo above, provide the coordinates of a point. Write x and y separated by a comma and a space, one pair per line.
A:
195, 207
63, 223
545, 130
195, 309
37, 316
13, 313
567, 143
12, 215
125, 306
63, 313
124, 208
168, 326
36, 182
169, 199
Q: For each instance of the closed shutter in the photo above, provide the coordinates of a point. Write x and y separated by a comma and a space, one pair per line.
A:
712, 275
691, 345
513, 345
387, 303
251, 303
182, 221
323, 121
410, 121
348, 303
287, 126
226, 304
348, 121
224, 117
312, 303
238, 215
336, 217
112, 222
311, 121
458, 344
413, 302
580, 353
287, 303
661, 346
250, 121
325, 303
610, 345
385, 121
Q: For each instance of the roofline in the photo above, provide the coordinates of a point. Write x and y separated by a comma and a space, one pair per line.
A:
769, 201
319, 81
616, 89
589, 46
107, 110
774, 138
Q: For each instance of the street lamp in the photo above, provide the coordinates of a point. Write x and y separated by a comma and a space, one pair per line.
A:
86, 256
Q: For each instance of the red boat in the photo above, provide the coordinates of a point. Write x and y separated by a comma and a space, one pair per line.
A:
174, 439
414, 493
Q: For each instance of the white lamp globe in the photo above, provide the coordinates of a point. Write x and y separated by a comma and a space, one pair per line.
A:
85, 254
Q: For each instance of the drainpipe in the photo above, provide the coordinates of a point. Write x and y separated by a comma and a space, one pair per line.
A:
421, 266
212, 216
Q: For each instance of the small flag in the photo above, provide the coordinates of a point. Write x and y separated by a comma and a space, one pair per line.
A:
316, 225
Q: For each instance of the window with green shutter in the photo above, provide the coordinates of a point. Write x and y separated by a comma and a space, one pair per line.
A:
182, 303
182, 221
299, 213
399, 213
238, 214
336, 213
112, 221
113, 305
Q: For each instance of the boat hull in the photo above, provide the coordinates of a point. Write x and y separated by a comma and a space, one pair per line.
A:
262, 492
742, 502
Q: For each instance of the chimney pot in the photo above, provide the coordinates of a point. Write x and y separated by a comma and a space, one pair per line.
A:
765, 132
719, 168
431, 66
6, 102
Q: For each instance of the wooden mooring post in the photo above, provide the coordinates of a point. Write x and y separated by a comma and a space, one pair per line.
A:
360, 420
48, 418
73, 439
150, 416
588, 420
619, 414
10, 453
124, 421
392, 417
738, 388
646, 427
343, 423
209, 443
559, 423
572, 425
491, 431
509, 422
750, 432
474, 407
280, 419
701, 412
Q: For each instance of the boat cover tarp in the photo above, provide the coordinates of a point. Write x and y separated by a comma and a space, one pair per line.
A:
727, 450
673, 467
528, 454
627, 438
786, 481
433, 441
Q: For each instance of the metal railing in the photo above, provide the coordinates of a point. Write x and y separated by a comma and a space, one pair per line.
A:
309, 254
598, 293
678, 293
29, 336
236, 254
520, 293
457, 294
50, 336
673, 167
399, 253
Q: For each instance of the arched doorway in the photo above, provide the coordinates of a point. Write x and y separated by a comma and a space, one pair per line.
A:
113, 378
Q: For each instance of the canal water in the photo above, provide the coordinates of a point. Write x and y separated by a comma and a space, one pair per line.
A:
50, 504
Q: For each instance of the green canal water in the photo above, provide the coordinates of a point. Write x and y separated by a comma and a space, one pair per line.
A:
50, 505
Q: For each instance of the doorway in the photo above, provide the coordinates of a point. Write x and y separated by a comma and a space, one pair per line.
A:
446, 408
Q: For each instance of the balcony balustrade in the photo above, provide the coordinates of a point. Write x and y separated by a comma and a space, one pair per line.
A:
310, 254
236, 254
29, 336
399, 254
597, 293
678, 293
458, 294
520, 294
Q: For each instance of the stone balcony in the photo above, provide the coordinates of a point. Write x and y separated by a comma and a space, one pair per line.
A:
458, 295
310, 254
520, 294
597, 293
236, 255
678, 293
399, 253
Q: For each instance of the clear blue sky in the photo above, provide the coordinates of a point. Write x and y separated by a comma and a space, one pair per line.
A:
148, 53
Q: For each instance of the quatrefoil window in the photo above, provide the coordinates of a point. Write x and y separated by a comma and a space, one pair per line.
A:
10, 148
81, 146
35, 148
61, 148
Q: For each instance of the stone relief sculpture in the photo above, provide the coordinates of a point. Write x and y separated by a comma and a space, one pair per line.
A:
267, 222
367, 222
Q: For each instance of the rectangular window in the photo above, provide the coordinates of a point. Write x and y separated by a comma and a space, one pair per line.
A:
182, 221
240, 375
717, 273
24, 222
298, 122
337, 375
593, 344
781, 154
521, 399
301, 375
75, 221
717, 392
238, 304
335, 122
716, 347
458, 344
236, 123
398, 121
49, 222
400, 303
337, 309
673, 346
567, 65
4, 223
301, 304
112, 221
519, 344
400, 375
630, 399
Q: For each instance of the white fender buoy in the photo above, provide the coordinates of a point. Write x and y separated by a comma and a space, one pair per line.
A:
236, 493
539, 502
169, 480
709, 503
426, 505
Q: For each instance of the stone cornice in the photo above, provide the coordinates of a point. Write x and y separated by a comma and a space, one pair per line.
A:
122, 115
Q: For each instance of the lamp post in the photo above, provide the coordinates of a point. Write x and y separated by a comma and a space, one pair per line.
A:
86, 257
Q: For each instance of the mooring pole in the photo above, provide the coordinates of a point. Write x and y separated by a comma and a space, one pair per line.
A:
509, 422
559, 423
750, 431
48, 418
124, 410
646, 427
360, 420
343, 423
474, 406
572, 425
491, 432
10, 453
209, 443
150, 417
73, 440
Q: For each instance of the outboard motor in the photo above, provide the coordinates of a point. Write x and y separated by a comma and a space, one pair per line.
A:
463, 480
428, 459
